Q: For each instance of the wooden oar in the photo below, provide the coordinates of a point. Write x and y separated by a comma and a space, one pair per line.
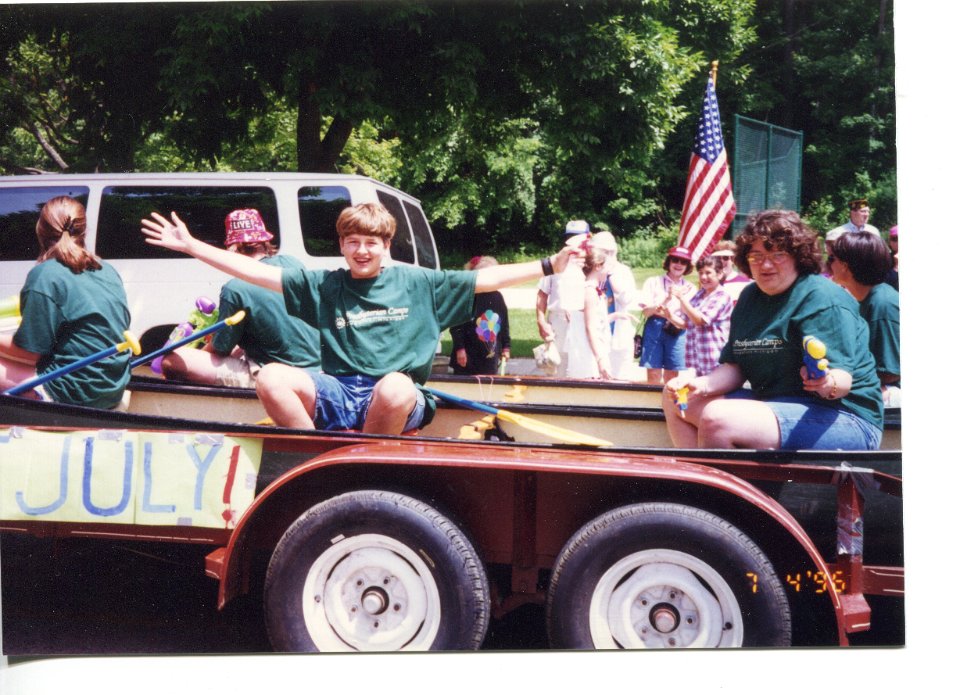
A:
552, 431
130, 343
229, 321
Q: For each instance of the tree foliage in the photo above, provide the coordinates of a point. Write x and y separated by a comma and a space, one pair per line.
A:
505, 117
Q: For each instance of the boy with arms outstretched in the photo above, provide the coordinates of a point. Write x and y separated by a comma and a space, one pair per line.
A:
379, 326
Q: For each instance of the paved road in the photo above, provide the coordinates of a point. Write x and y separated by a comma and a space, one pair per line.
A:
94, 597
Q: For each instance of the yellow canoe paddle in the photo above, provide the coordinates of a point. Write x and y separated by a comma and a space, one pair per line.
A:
529, 423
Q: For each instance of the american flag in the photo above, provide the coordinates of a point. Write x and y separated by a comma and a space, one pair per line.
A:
708, 206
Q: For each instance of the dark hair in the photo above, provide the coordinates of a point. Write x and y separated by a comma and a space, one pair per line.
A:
782, 230
61, 232
715, 262
666, 263
268, 248
866, 255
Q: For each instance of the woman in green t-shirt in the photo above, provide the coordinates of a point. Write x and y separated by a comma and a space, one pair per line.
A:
784, 406
73, 306
860, 262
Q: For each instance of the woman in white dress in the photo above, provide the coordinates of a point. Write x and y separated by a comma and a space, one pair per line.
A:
588, 338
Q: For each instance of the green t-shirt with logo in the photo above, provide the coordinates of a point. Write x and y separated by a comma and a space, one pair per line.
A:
375, 326
68, 316
267, 333
881, 310
766, 342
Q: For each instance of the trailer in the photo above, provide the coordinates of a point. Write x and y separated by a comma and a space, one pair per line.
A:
394, 543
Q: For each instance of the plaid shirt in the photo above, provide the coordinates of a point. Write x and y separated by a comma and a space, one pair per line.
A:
705, 342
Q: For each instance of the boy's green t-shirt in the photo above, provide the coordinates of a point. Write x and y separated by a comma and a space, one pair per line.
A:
766, 342
267, 333
68, 316
390, 323
881, 310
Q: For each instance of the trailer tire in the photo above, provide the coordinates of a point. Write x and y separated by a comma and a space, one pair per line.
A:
375, 571
664, 575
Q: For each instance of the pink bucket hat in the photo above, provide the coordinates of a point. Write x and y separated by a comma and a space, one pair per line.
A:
245, 227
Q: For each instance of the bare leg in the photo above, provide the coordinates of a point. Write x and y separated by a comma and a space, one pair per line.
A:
738, 424
684, 430
191, 364
393, 399
288, 394
13, 373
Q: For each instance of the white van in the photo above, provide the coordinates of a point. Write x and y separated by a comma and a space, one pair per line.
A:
162, 287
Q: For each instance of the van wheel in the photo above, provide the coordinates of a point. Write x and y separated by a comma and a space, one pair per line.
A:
664, 575
375, 571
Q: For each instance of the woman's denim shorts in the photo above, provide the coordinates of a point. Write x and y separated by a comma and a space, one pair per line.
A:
342, 402
805, 423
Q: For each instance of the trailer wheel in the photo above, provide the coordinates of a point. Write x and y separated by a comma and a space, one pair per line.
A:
664, 575
375, 571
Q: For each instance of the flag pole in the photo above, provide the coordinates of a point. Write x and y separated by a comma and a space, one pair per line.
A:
713, 72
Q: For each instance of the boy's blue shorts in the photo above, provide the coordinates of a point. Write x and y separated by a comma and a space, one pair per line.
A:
342, 402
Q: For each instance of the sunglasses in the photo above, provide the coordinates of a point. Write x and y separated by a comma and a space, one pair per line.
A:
777, 257
674, 259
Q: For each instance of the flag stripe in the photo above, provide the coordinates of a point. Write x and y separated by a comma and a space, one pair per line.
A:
708, 204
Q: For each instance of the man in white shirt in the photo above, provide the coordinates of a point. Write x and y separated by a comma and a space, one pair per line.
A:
560, 294
859, 214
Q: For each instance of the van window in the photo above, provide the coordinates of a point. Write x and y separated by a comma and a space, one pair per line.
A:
202, 208
320, 206
401, 248
19, 211
426, 253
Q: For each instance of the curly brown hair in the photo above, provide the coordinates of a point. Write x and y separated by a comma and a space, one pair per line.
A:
780, 230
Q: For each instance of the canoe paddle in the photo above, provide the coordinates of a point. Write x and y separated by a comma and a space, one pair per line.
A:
559, 433
129, 343
229, 321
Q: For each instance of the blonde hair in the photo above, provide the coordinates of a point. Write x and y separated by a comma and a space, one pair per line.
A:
61, 232
594, 259
367, 219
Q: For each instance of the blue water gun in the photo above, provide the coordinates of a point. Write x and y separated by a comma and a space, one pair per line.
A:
814, 357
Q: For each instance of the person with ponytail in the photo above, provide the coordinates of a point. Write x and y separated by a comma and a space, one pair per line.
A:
72, 305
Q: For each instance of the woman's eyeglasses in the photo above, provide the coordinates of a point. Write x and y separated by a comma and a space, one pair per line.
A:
776, 257
674, 259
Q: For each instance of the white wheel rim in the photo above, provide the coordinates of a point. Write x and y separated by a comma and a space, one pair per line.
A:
663, 598
371, 593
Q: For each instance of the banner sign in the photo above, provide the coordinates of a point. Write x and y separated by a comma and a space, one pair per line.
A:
121, 477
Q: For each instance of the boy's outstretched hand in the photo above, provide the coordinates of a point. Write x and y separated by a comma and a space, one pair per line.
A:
170, 234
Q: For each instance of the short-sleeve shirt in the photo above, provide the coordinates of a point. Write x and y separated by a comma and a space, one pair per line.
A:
881, 310
374, 326
564, 290
267, 333
68, 316
705, 342
766, 342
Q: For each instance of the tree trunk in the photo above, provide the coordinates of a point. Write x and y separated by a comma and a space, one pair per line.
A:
313, 152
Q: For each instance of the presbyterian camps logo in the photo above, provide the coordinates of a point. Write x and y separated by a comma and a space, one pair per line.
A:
362, 319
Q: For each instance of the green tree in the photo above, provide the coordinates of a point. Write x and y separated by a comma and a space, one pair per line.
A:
827, 68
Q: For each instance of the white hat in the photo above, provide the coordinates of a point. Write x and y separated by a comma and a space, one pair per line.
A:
603, 241
577, 227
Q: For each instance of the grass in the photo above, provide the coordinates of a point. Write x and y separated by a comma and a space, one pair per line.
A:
524, 335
